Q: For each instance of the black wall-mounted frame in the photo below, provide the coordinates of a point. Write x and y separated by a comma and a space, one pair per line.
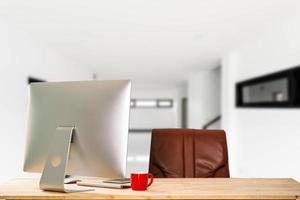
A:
31, 79
292, 76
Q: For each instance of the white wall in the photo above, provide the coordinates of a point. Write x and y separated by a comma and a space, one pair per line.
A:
139, 143
21, 56
157, 118
204, 97
262, 142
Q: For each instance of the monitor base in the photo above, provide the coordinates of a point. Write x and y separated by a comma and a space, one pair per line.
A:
53, 177
71, 180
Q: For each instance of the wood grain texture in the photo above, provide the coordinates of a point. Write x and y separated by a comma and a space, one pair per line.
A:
168, 189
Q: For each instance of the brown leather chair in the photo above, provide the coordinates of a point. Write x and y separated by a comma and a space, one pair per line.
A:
188, 153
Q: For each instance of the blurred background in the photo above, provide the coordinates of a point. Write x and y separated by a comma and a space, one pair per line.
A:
194, 64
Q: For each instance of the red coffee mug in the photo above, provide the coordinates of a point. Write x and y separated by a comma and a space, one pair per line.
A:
139, 181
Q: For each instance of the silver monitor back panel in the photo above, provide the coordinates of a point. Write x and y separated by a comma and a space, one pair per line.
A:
100, 112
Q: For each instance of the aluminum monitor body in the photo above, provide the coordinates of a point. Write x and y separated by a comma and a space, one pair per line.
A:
99, 111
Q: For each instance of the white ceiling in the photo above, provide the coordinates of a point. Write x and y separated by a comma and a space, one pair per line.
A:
162, 41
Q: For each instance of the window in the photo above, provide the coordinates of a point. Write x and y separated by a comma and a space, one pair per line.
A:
151, 103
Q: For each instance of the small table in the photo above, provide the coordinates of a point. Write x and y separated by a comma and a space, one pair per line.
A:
172, 188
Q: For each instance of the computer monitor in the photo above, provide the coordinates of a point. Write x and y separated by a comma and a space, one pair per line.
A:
77, 128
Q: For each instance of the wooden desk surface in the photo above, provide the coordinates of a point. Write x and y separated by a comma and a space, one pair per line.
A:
168, 189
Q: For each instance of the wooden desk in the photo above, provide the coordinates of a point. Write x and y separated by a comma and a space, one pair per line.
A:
168, 189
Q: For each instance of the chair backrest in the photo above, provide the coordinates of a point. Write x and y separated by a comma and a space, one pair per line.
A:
188, 153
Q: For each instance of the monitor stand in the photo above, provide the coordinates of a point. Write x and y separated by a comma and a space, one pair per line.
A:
53, 177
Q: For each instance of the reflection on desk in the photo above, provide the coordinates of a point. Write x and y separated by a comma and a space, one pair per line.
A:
172, 188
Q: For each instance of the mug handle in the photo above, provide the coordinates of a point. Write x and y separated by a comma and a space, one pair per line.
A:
151, 179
